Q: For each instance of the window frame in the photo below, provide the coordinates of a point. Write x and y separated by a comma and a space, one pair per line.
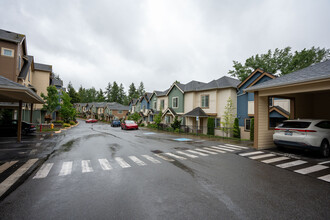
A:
215, 122
177, 102
208, 100
155, 105
162, 104
3, 49
247, 119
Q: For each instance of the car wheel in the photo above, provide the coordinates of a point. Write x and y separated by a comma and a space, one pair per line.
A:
325, 148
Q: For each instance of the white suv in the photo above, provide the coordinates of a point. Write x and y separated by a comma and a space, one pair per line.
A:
304, 134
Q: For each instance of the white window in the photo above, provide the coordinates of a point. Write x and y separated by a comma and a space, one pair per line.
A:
162, 104
175, 102
155, 105
217, 122
167, 119
205, 101
247, 124
7, 52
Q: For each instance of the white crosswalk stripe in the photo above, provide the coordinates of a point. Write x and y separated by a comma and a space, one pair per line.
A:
151, 159
228, 147
237, 146
6, 165
199, 153
277, 159
105, 165
205, 151
176, 156
164, 158
86, 166
223, 148
7, 183
325, 178
261, 156
311, 169
137, 161
214, 149
291, 164
122, 162
66, 168
43, 171
251, 153
186, 154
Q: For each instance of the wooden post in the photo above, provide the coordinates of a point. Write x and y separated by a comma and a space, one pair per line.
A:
31, 113
19, 122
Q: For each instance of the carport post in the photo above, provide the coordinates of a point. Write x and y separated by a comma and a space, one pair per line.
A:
19, 122
31, 113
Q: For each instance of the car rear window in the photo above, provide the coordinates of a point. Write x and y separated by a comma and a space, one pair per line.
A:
295, 124
323, 124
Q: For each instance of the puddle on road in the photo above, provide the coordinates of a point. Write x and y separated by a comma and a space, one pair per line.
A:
113, 149
181, 148
157, 151
183, 167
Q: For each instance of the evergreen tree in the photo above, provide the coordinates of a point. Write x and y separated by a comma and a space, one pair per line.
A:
141, 90
237, 131
100, 96
122, 95
75, 98
108, 92
114, 92
132, 92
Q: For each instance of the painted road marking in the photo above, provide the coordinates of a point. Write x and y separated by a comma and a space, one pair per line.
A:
237, 146
105, 165
44, 170
311, 169
66, 168
137, 161
251, 153
205, 151
38, 144
7, 183
5, 166
227, 147
291, 164
223, 148
122, 162
182, 139
325, 178
324, 162
213, 149
175, 156
41, 139
164, 158
86, 166
151, 159
199, 153
261, 156
186, 154
148, 133
277, 159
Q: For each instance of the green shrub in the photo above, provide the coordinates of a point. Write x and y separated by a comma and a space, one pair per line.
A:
210, 126
170, 129
177, 130
252, 130
236, 131
72, 123
59, 122
176, 123
141, 125
152, 126
66, 125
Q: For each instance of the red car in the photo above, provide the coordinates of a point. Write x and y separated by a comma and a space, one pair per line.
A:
127, 124
91, 120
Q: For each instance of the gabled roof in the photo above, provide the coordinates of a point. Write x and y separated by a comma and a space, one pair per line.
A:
280, 110
191, 86
170, 110
133, 101
43, 67
161, 93
148, 95
196, 112
318, 71
117, 106
221, 83
258, 70
57, 82
11, 36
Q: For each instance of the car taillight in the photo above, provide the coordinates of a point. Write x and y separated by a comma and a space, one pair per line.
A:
306, 130
32, 126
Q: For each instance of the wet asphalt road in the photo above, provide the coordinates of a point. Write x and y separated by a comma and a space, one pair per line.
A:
222, 186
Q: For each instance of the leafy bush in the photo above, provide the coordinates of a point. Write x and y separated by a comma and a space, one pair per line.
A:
177, 130
152, 126
237, 132
59, 122
170, 129
176, 123
66, 125
135, 117
210, 126
141, 125
252, 130
72, 123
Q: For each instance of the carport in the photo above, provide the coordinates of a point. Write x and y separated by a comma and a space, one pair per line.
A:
13, 92
308, 90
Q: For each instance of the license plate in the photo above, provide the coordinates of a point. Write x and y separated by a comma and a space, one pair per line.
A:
288, 133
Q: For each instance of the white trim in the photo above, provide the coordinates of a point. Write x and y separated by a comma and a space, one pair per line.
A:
245, 124
3, 52
176, 103
174, 84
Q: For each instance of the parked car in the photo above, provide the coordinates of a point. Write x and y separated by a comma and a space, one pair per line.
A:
10, 128
115, 123
304, 134
91, 120
128, 124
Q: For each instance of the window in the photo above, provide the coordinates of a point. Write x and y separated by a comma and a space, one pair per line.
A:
120, 112
175, 102
167, 119
323, 124
270, 101
155, 105
144, 108
247, 124
162, 103
7, 52
217, 123
205, 101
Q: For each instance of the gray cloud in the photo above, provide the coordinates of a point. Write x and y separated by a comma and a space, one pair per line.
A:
92, 43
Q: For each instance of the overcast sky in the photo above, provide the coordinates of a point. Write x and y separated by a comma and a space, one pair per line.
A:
91, 43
